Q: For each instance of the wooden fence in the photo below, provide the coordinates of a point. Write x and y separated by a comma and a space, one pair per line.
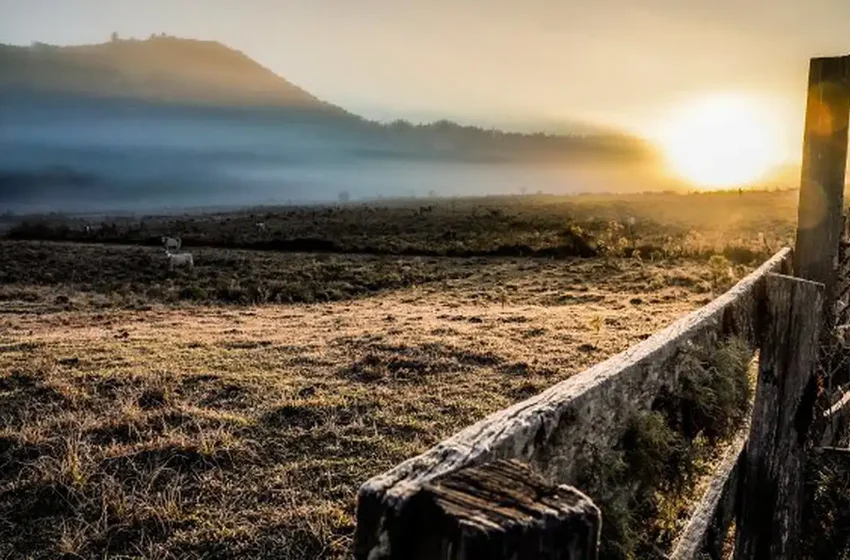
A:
500, 489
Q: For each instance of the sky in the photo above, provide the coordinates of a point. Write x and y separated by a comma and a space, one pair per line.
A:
530, 64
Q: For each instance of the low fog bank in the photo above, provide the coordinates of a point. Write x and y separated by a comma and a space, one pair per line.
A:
87, 155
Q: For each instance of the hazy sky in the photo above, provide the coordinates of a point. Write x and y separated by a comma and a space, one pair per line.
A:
620, 62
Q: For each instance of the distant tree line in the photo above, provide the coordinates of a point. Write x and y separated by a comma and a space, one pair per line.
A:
115, 37
540, 143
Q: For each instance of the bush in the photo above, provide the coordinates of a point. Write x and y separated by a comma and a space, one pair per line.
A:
721, 272
744, 255
195, 293
230, 290
642, 485
715, 390
655, 451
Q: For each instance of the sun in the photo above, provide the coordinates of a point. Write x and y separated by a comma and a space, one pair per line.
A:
721, 141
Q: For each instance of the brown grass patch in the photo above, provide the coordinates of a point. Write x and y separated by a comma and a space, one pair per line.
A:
180, 432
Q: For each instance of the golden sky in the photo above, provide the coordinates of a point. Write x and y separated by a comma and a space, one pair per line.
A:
534, 63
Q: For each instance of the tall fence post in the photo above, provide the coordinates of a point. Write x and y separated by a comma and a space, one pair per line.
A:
497, 511
772, 500
819, 216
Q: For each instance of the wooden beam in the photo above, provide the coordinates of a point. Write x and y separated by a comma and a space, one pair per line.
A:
837, 423
501, 510
773, 474
836, 454
819, 216
705, 533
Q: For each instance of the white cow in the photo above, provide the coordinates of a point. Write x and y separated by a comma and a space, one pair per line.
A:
179, 259
261, 226
171, 243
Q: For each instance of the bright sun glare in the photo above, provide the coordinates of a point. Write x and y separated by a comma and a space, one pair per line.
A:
721, 141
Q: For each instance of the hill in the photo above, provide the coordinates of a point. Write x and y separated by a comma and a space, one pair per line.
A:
161, 68
163, 73
173, 123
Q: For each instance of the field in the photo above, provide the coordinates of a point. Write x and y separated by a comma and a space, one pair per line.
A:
743, 226
232, 411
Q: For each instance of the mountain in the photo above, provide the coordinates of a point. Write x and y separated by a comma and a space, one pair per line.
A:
186, 123
161, 68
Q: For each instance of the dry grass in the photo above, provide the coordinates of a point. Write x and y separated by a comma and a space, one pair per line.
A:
244, 432
233, 411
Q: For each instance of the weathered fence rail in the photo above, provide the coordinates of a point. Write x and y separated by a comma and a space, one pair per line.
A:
706, 531
837, 423
555, 431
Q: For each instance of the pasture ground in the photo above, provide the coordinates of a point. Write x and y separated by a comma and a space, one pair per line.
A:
245, 431
234, 410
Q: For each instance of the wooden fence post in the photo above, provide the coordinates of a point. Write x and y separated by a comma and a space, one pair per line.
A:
501, 510
819, 216
772, 498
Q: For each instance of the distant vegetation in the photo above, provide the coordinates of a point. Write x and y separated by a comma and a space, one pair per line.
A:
745, 228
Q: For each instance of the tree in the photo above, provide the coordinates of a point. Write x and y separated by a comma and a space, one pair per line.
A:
401, 124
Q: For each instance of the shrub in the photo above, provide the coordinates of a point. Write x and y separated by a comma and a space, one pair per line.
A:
230, 290
744, 255
642, 485
721, 272
194, 292
715, 389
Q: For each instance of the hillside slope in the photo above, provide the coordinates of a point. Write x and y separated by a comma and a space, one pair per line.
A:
160, 68
169, 122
